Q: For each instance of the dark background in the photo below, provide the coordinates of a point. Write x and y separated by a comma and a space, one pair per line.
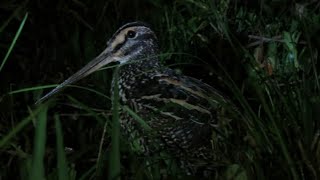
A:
208, 40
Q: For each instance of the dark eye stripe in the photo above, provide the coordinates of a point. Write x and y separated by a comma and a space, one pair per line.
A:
118, 46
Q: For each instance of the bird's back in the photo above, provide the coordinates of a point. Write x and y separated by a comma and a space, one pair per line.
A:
188, 118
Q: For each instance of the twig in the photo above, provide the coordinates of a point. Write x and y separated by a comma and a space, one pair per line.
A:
262, 40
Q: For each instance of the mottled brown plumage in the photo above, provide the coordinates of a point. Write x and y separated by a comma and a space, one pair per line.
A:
189, 119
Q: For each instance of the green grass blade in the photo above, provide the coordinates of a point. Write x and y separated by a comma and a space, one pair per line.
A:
37, 172
55, 85
114, 166
102, 152
31, 89
61, 155
143, 124
19, 127
88, 173
13, 15
14, 41
280, 138
88, 109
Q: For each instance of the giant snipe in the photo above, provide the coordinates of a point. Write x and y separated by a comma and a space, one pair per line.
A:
189, 119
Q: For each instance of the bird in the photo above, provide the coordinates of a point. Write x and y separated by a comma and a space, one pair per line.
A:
189, 119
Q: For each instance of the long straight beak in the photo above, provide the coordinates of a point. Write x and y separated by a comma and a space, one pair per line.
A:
103, 59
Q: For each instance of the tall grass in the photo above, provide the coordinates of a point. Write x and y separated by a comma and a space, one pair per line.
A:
37, 171
13, 41
61, 155
263, 55
114, 166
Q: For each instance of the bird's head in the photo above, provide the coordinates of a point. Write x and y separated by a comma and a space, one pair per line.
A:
132, 42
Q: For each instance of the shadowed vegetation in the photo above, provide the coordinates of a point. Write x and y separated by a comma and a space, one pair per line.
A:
262, 54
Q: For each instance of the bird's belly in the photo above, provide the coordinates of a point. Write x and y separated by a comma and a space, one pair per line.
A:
152, 130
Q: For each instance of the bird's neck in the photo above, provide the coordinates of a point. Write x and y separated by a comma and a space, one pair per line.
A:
141, 64
132, 74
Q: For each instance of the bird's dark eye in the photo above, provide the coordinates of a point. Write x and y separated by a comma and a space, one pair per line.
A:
131, 34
